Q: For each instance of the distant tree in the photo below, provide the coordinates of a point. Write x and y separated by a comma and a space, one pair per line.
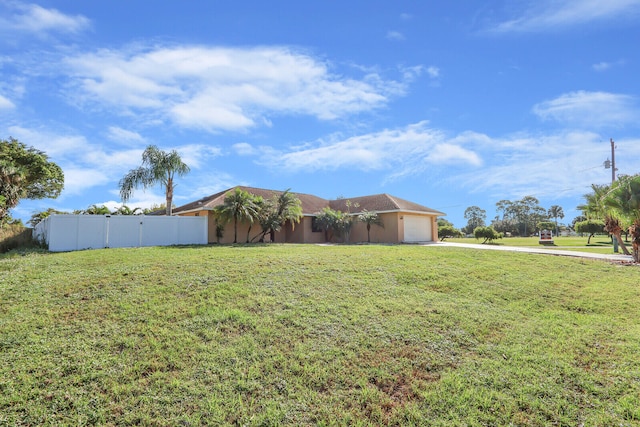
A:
556, 212
158, 167
126, 210
442, 222
162, 207
505, 226
37, 217
545, 225
577, 219
475, 217
590, 227
26, 173
370, 218
486, 233
448, 231
95, 210
524, 214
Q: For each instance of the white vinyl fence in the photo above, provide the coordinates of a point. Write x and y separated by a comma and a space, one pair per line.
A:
75, 232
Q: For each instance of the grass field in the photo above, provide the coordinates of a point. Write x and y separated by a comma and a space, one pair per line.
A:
600, 244
317, 335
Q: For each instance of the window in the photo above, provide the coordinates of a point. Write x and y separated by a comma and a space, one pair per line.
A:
315, 227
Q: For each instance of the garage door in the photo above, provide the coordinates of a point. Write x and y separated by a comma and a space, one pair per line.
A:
417, 228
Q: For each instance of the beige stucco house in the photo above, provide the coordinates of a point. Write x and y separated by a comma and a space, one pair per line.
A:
404, 221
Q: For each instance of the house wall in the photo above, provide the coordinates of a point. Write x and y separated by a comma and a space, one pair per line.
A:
388, 234
393, 231
310, 236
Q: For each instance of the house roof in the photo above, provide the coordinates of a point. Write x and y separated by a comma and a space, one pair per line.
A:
380, 203
312, 204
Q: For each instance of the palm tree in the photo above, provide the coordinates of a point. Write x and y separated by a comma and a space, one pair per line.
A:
556, 212
594, 207
157, 167
238, 205
126, 210
275, 213
370, 218
623, 204
96, 210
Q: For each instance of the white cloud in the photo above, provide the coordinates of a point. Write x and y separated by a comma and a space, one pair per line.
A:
37, 20
434, 72
552, 165
78, 180
5, 104
198, 155
604, 66
402, 151
244, 149
451, 153
224, 88
594, 109
395, 35
553, 15
141, 199
125, 136
601, 66
85, 165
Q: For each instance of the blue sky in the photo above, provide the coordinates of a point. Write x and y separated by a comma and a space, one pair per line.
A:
447, 104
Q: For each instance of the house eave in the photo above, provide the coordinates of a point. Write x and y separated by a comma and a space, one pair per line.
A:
193, 210
404, 211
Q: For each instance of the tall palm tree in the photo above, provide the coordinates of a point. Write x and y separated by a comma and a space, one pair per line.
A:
239, 205
370, 218
556, 212
158, 166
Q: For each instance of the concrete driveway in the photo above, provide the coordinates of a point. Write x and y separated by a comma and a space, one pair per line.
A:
544, 251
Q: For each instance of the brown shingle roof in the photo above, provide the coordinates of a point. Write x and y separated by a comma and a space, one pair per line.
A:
312, 204
380, 203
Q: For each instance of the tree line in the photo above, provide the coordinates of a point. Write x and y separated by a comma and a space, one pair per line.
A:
522, 217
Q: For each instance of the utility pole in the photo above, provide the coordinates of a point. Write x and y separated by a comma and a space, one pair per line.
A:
613, 162
613, 180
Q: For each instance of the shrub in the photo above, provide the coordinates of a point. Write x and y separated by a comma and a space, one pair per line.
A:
486, 233
590, 227
448, 231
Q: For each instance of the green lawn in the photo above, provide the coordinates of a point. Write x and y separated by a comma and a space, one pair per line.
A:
317, 335
599, 244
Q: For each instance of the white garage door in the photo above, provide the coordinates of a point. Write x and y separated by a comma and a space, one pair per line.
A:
417, 228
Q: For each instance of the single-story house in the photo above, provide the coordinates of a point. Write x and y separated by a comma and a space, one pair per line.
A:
404, 221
